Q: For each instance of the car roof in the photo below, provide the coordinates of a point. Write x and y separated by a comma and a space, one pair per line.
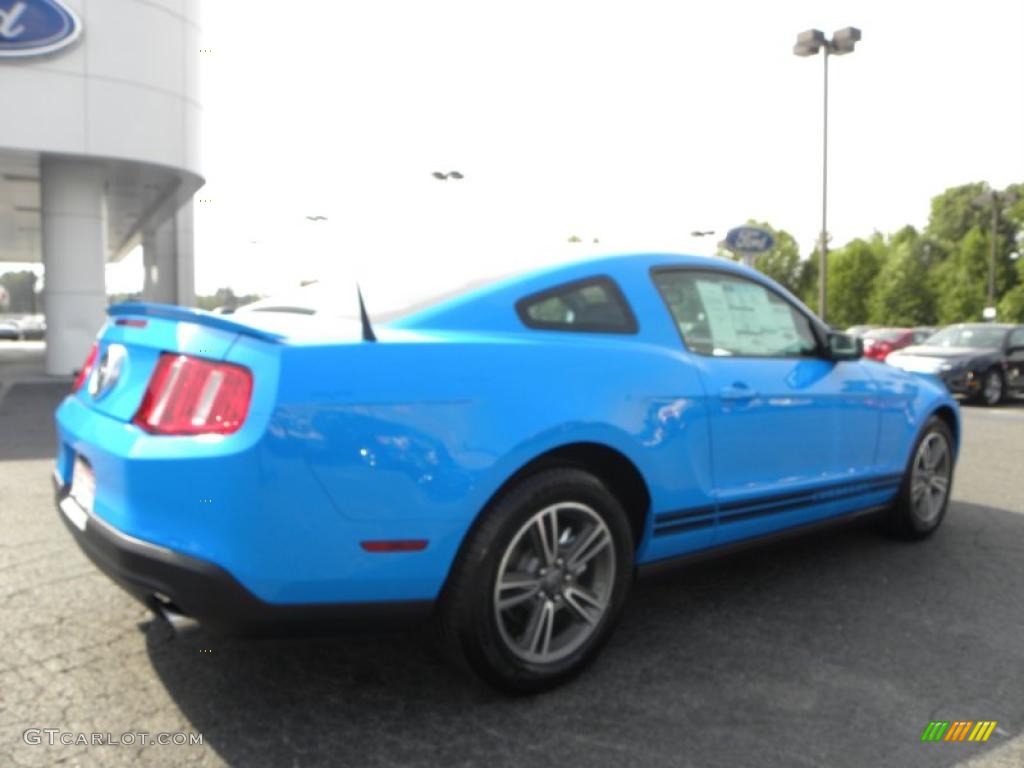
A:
489, 305
614, 264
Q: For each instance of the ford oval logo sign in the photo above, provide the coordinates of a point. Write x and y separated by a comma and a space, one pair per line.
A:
36, 27
749, 240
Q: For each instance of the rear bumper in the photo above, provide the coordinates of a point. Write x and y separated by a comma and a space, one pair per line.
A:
206, 592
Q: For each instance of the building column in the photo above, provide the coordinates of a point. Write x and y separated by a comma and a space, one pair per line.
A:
158, 264
168, 261
185, 274
74, 234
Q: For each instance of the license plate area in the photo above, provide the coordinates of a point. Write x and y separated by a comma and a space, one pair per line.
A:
83, 484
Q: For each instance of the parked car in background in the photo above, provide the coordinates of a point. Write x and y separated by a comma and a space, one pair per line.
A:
922, 332
20, 327
859, 330
981, 361
10, 330
505, 460
33, 326
879, 342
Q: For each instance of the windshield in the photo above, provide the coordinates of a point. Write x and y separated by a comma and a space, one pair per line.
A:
968, 336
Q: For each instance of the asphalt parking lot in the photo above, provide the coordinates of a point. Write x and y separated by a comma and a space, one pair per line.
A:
835, 649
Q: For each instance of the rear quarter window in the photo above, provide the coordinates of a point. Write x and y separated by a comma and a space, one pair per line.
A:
594, 305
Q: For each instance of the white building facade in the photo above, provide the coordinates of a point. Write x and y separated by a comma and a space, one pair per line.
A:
99, 152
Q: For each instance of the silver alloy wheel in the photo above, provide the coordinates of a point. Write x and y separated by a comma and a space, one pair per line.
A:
929, 479
993, 390
554, 583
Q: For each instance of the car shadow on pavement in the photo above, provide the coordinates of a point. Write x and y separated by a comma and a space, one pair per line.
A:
832, 649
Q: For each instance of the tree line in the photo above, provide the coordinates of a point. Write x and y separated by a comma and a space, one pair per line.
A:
935, 276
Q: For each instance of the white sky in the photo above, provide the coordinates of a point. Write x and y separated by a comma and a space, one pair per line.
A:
634, 122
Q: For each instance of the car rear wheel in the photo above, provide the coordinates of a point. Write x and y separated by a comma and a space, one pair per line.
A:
540, 582
924, 494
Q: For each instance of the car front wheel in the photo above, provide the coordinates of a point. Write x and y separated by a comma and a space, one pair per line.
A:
927, 481
540, 582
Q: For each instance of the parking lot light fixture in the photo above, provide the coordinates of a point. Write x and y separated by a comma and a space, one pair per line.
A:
809, 43
991, 197
441, 176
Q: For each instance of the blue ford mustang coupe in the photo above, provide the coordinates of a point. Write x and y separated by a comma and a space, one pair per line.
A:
504, 461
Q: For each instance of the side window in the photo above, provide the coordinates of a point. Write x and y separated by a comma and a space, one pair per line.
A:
595, 304
721, 315
1016, 338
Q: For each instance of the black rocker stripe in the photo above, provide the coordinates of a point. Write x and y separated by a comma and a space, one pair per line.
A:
809, 491
666, 523
691, 525
736, 517
669, 517
820, 495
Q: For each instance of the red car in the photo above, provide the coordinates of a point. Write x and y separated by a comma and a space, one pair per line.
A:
879, 342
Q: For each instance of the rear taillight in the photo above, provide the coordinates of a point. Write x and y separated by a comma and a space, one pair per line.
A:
90, 361
191, 396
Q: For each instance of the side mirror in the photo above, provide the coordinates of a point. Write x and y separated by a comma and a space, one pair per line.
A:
843, 346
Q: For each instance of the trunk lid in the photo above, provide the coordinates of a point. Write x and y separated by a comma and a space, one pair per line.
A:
134, 338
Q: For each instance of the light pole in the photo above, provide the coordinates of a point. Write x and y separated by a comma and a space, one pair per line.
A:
995, 199
808, 44
445, 176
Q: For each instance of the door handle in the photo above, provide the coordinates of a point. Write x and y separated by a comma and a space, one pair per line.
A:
737, 392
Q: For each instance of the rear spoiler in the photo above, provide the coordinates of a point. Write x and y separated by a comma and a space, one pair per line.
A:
190, 315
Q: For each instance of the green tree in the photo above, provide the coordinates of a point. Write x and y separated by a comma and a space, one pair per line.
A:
954, 213
901, 294
1011, 306
852, 271
808, 282
961, 280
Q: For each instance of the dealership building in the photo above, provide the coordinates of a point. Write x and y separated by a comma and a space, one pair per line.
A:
99, 152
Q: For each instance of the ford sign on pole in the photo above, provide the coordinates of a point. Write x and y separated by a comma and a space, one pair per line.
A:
747, 242
36, 27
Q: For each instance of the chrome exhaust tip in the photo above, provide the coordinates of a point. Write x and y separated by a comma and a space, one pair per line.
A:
177, 622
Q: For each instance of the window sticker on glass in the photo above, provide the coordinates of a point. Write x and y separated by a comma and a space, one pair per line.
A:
720, 317
736, 317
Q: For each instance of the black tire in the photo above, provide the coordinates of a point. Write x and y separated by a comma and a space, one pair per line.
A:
907, 519
983, 398
468, 618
